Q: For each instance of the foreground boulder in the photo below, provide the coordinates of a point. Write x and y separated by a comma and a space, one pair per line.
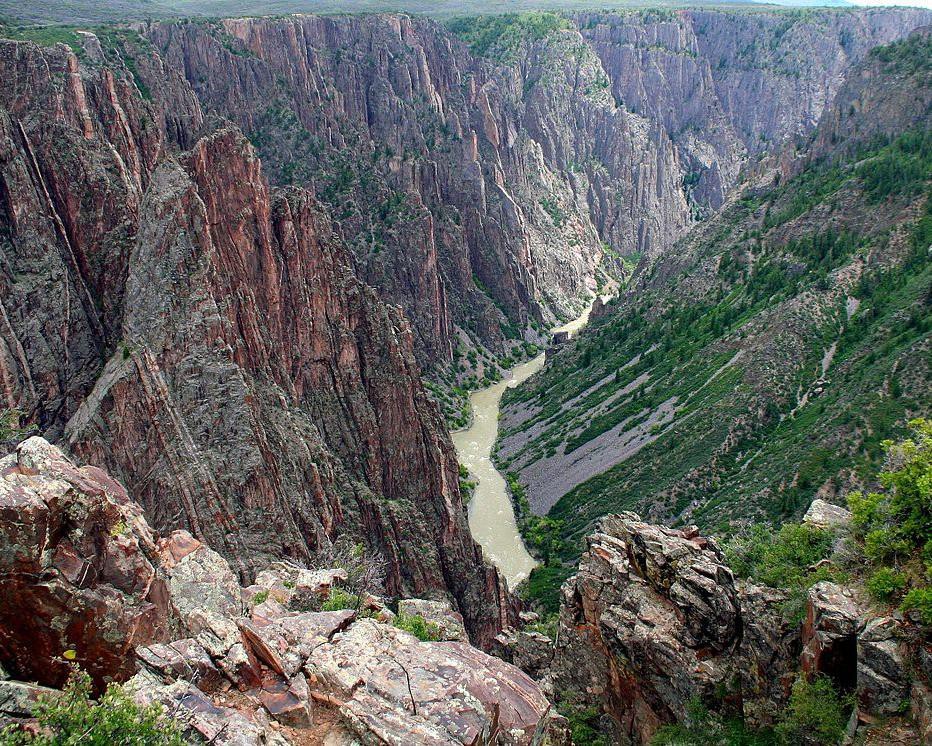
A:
822, 514
77, 579
391, 688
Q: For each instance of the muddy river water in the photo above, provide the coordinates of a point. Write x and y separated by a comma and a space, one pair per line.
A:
491, 515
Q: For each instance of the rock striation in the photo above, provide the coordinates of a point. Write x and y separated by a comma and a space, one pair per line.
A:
206, 339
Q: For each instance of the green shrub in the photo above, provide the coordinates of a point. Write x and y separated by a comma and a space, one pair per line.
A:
583, 719
919, 599
543, 586
72, 717
9, 425
703, 728
885, 583
784, 559
339, 600
419, 627
260, 598
893, 526
500, 36
816, 713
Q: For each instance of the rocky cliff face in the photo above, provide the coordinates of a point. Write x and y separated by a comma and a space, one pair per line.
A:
886, 95
471, 186
207, 340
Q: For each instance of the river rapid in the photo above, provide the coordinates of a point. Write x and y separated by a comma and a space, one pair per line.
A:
491, 514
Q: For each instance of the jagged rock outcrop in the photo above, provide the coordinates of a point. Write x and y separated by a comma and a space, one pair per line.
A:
530, 651
390, 688
252, 388
882, 676
654, 618
81, 571
78, 570
448, 622
346, 676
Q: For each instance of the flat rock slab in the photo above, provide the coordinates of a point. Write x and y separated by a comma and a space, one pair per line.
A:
394, 688
823, 514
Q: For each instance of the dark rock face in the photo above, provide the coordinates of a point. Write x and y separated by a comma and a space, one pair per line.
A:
829, 634
654, 618
252, 389
879, 98
77, 570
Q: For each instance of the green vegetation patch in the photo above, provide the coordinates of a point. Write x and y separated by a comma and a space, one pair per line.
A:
500, 36
73, 717
893, 526
419, 627
906, 56
791, 559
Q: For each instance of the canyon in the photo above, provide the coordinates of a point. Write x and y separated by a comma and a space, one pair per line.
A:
255, 270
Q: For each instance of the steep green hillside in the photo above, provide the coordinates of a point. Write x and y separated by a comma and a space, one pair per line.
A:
762, 363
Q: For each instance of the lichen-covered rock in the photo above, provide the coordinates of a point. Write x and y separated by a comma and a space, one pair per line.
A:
18, 699
76, 570
393, 689
181, 659
284, 643
529, 651
294, 587
829, 634
200, 717
883, 680
200, 581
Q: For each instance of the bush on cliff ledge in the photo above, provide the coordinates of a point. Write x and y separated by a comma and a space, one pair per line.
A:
893, 526
72, 717
789, 558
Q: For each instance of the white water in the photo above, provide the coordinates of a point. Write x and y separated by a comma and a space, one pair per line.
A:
491, 515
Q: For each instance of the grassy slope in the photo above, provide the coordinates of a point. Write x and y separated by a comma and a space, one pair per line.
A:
770, 279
